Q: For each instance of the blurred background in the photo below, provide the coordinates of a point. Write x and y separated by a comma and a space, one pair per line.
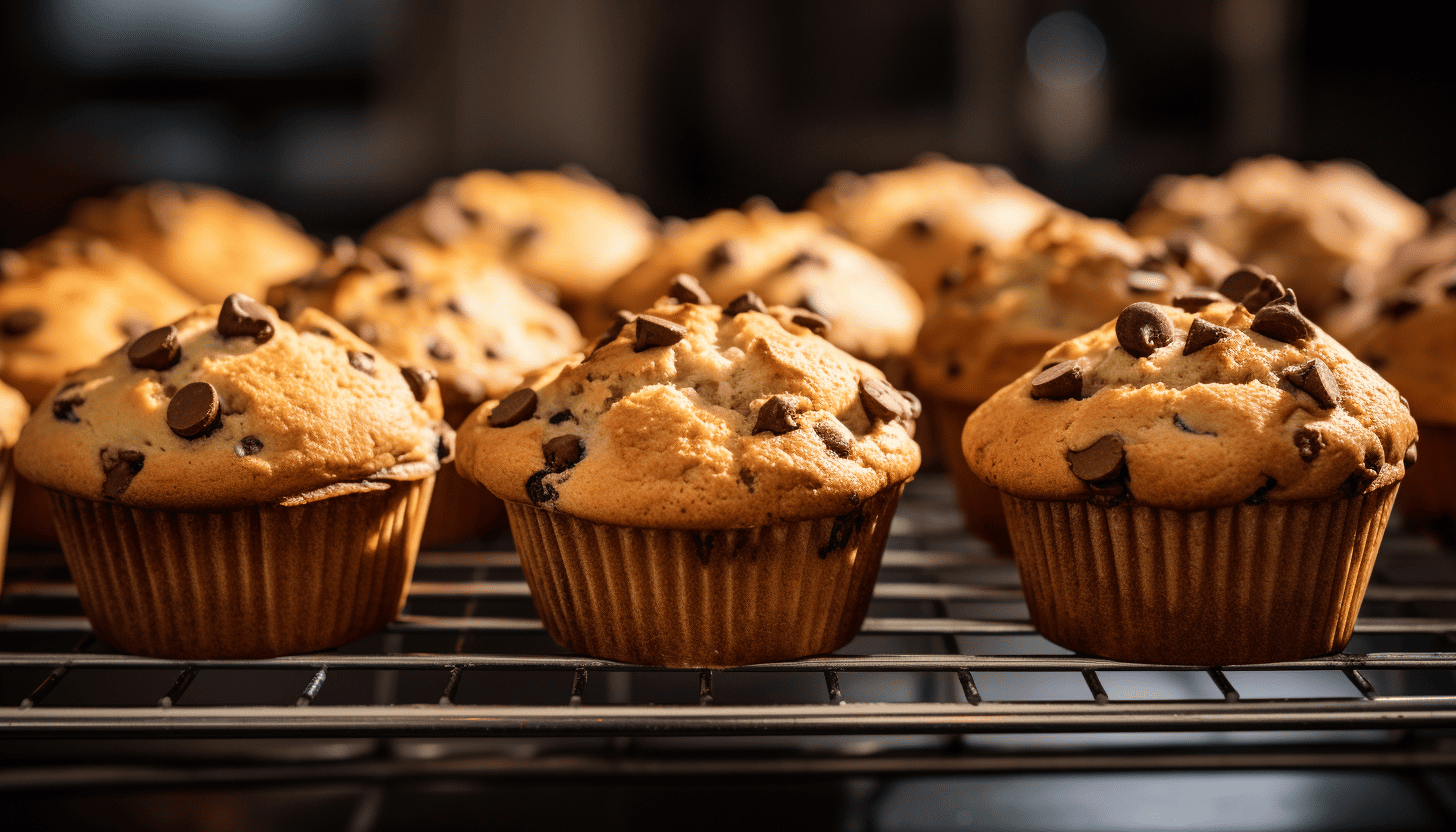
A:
338, 111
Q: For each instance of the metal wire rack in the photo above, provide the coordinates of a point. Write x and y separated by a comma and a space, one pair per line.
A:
946, 655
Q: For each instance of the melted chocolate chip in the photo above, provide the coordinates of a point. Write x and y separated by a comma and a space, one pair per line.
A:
686, 289
418, 381
1142, 328
1059, 381
920, 228
361, 361
1147, 281
440, 349
242, 316
21, 321
1261, 494
64, 407
778, 415
563, 452
1308, 442
718, 257
1282, 322
746, 302
1410, 455
538, 490
1401, 305
561, 416
951, 279
1178, 249
835, 436
194, 410
881, 401
1268, 291
1241, 282
157, 350
1204, 334
513, 409
1187, 428
454, 307
120, 467
1196, 299
248, 446
1102, 460
812, 321
622, 318
1315, 378
653, 331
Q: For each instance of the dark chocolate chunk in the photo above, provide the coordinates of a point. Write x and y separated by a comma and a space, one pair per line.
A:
1178, 249
1187, 428
1309, 442
835, 436
513, 409
1241, 282
778, 415
406, 290
1143, 280
242, 316
1100, 461
1261, 494
951, 279
562, 415
1286, 299
67, 400
248, 446
22, 321
1059, 381
746, 302
538, 490
563, 452
686, 289
418, 381
653, 331
1360, 479
361, 361
120, 467
1282, 322
1410, 456
1142, 328
1204, 334
1268, 291
194, 410
1315, 378
157, 350
622, 318
920, 228
492, 353
134, 328
718, 257
881, 401
1195, 299
812, 321
1401, 305
444, 444
440, 349
453, 305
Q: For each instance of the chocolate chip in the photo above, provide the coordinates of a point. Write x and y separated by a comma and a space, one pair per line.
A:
561, 416
418, 381
1187, 428
194, 410
951, 279
120, 467
1261, 494
1204, 334
913, 401
563, 452
778, 415
1360, 479
805, 258
653, 331
1267, 292
21, 321
1410, 455
513, 409
1196, 299
1147, 281
920, 227
248, 446
622, 318
444, 445
157, 350
1309, 442
1315, 378
718, 257
881, 401
1401, 305
686, 289
1241, 282
440, 349
746, 302
1142, 328
453, 305
1286, 299
1282, 323
134, 328
64, 407
835, 436
243, 316
812, 321
953, 368
406, 290
492, 353
524, 236
361, 361
538, 490
1059, 381
1178, 249
1100, 461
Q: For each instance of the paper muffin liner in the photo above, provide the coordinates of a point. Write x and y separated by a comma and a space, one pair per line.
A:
705, 599
460, 510
7, 499
32, 517
1237, 585
247, 583
1428, 492
980, 504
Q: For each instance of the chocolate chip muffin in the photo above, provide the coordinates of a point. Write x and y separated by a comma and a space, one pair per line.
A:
466, 321
207, 241
998, 315
1196, 487
233, 486
568, 230
709, 487
926, 217
13, 412
790, 259
1325, 228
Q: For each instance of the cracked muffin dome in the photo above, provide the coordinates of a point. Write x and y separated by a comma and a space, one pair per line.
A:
926, 217
207, 241
1324, 228
695, 416
790, 259
68, 299
1235, 403
231, 407
461, 315
997, 316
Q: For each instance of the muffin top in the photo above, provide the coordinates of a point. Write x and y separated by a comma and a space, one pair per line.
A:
1410, 343
68, 299
14, 410
229, 407
926, 217
569, 230
997, 316
462, 316
693, 416
1324, 228
789, 259
1194, 410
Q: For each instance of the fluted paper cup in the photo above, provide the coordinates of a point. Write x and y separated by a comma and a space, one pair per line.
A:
705, 599
1237, 585
980, 504
1428, 492
248, 583
460, 510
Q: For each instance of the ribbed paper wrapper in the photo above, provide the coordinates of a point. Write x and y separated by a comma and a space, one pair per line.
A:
460, 510
705, 599
1237, 585
980, 504
7, 499
247, 583
1428, 492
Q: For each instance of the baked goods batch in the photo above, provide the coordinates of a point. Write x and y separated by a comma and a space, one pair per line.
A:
1186, 468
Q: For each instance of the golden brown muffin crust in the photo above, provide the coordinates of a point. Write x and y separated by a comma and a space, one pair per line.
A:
1412, 343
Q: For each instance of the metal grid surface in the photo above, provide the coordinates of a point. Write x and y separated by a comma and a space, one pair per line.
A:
946, 650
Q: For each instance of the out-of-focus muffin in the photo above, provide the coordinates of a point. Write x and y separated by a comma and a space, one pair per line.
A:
569, 231
1324, 228
926, 217
13, 413
207, 241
